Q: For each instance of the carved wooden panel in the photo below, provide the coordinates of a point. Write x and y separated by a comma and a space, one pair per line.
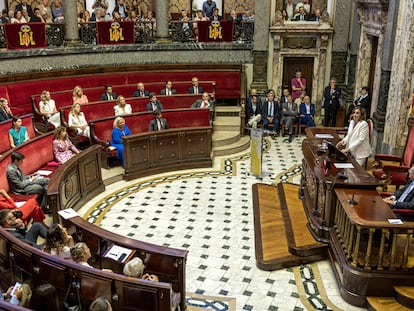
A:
51, 272
70, 189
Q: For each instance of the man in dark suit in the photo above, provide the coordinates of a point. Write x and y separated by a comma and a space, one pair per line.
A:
317, 16
108, 95
364, 101
158, 123
17, 228
154, 103
195, 88
141, 91
271, 112
23, 5
205, 103
22, 184
302, 16
168, 90
332, 95
216, 16
403, 198
284, 97
253, 112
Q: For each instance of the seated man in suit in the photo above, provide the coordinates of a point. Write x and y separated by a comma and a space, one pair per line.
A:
141, 91
271, 112
205, 102
289, 115
253, 92
301, 16
168, 90
154, 103
22, 184
108, 95
403, 198
158, 123
5, 112
307, 112
253, 112
195, 88
17, 228
216, 16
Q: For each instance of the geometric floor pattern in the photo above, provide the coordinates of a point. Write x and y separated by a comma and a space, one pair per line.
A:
209, 213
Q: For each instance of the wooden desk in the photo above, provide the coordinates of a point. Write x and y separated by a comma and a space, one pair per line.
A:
369, 256
319, 199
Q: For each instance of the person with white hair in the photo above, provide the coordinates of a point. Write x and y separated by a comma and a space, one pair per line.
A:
135, 268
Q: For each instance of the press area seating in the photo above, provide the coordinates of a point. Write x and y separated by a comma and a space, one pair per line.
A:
101, 129
72, 185
27, 121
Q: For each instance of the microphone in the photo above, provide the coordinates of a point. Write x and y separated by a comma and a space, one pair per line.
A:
353, 201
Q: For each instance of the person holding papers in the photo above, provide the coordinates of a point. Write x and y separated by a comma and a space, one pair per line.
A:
403, 198
356, 142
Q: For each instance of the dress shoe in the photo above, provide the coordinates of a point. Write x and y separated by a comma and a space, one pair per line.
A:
290, 138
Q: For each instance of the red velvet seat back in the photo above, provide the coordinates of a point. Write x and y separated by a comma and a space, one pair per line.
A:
408, 157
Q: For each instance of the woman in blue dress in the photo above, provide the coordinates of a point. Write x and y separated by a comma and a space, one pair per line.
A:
17, 133
120, 129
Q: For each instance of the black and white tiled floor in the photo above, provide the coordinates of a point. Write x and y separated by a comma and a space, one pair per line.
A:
209, 212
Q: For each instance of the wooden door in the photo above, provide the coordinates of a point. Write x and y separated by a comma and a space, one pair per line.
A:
290, 64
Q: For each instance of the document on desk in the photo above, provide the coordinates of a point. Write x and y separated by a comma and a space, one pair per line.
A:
325, 136
44, 172
118, 253
68, 213
395, 221
343, 165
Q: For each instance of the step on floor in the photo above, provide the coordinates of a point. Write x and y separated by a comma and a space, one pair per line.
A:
385, 304
242, 144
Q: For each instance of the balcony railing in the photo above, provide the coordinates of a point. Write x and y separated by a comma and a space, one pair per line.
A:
144, 33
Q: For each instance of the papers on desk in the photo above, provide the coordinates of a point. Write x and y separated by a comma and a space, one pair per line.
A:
118, 253
44, 172
343, 165
325, 136
67, 213
395, 221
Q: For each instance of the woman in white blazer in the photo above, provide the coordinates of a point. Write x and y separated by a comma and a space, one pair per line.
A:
357, 141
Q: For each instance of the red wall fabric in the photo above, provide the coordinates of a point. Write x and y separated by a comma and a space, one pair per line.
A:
25, 36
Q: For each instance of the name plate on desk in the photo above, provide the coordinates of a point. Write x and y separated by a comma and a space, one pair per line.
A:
118, 253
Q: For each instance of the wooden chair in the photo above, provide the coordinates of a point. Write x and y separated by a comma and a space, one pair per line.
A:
395, 173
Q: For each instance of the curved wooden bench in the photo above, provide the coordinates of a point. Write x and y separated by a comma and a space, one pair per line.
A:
72, 185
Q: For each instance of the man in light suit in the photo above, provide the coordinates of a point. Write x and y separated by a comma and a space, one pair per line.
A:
195, 88
154, 103
168, 90
22, 184
158, 123
108, 95
289, 115
403, 198
141, 91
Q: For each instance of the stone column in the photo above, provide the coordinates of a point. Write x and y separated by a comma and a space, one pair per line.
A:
161, 15
261, 45
71, 22
354, 48
386, 64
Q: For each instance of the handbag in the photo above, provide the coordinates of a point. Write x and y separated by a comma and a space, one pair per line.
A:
73, 301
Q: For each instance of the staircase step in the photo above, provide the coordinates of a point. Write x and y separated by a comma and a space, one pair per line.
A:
224, 138
385, 304
239, 146
405, 295
227, 124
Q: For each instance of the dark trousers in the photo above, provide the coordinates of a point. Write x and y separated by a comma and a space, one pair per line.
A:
330, 115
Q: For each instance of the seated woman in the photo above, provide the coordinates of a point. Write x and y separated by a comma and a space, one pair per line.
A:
135, 268
63, 149
77, 121
47, 108
120, 129
59, 242
122, 107
78, 96
81, 253
29, 210
17, 133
